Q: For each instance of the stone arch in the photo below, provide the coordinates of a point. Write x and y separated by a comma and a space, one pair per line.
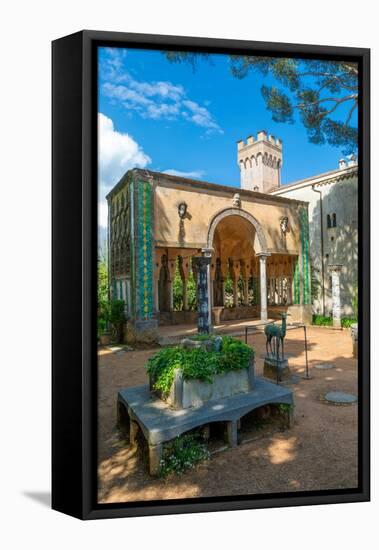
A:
262, 245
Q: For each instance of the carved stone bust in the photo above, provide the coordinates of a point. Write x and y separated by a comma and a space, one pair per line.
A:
237, 200
182, 210
284, 224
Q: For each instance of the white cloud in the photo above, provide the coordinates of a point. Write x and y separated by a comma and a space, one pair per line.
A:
118, 152
196, 174
154, 100
201, 116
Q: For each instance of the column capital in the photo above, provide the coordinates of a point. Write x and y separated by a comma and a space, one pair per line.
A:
199, 261
263, 255
336, 268
207, 252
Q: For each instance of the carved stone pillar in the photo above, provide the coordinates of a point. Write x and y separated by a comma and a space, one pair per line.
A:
184, 269
235, 270
185, 295
171, 264
246, 291
156, 301
245, 272
335, 271
235, 293
224, 266
263, 284
201, 264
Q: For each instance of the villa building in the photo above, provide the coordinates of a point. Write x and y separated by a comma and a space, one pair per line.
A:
251, 235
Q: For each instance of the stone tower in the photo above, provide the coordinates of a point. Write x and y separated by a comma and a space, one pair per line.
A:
260, 162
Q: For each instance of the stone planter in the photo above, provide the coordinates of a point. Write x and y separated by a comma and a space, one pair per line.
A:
194, 393
105, 339
354, 338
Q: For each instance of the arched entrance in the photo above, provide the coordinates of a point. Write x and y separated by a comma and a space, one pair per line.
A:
238, 242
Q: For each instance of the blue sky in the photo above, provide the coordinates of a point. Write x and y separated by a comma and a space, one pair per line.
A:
166, 117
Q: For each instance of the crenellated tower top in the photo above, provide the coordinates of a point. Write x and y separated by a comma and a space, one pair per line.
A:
260, 160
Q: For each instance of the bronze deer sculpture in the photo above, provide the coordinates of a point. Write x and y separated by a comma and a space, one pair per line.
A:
277, 332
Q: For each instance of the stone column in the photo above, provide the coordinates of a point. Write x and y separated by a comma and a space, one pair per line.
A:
289, 289
235, 292
335, 271
263, 284
171, 294
223, 292
246, 291
202, 264
185, 295
157, 295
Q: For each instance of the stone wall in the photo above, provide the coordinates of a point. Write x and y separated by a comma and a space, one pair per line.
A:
340, 197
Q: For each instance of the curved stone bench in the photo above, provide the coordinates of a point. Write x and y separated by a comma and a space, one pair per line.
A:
160, 423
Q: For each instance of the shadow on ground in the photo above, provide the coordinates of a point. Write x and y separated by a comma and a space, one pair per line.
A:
318, 453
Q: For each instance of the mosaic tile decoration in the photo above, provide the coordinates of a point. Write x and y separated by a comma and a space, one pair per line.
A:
144, 252
296, 282
304, 226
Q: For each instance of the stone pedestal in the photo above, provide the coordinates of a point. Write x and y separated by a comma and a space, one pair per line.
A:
105, 339
276, 369
217, 311
142, 331
263, 284
354, 338
335, 271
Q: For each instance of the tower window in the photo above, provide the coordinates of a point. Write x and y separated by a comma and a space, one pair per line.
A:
331, 220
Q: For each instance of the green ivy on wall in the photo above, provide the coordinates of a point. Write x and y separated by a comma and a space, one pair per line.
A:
144, 252
296, 282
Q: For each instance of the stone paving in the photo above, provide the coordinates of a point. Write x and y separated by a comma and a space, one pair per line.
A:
318, 452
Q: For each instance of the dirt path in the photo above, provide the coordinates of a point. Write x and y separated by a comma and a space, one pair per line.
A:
319, 452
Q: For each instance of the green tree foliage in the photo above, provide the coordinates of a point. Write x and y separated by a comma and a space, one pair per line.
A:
324, 94
178, 290
102, 294
116, 317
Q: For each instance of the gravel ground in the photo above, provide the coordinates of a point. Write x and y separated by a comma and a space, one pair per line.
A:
318, 452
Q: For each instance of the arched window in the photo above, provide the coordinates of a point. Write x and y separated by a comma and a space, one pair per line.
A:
328, 221
334, 224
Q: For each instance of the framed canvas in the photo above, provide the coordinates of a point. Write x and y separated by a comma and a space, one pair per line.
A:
211, 206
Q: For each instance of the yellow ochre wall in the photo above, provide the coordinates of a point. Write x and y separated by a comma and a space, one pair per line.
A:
204, 203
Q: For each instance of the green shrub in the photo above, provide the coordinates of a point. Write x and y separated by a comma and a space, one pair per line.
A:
197, 363
101, 326
116, 317
346, 322
320, 320
284, 408
182, 453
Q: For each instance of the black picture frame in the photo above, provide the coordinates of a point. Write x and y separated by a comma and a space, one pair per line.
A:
74, 206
